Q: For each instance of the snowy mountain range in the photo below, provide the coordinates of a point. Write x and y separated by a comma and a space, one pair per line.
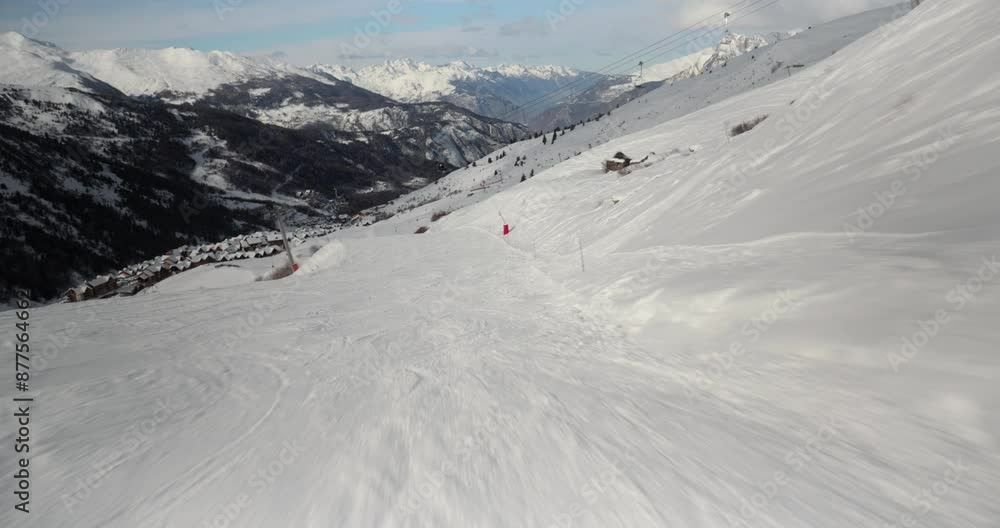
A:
787, 325
542, 97
493, 91
259, 88
135, 138
525, 94
207, 112
601, 95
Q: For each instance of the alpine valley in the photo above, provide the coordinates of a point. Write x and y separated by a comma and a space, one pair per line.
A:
108, 157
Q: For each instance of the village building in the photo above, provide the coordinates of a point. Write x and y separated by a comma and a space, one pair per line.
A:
129, 289
80, 293
152, 274
616, 163
102, 285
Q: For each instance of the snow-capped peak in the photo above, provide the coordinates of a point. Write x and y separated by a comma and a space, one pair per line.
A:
730, 46
734, 45
13, 39
29, 62
543, 72
412, 81
175, 70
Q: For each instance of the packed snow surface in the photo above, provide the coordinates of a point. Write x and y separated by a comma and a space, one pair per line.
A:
795, 326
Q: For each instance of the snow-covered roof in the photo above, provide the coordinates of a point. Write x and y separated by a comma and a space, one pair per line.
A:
99, 281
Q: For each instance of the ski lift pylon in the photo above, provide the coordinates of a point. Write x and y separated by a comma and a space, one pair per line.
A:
637, 83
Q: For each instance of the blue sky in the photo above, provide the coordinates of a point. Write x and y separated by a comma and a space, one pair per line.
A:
579, 33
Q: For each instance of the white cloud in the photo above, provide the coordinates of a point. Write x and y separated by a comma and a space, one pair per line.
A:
526, 26
595, 34
782, 15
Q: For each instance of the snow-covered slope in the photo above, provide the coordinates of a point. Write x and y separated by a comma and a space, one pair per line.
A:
173, 74
595, 97
27, 62
178, 74
665, 70
674, 347
731, 45
672, 100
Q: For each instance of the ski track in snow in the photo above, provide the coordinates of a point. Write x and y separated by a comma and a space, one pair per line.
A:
461, 378
527, 393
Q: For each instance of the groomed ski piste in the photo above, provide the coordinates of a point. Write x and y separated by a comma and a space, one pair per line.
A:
718, 338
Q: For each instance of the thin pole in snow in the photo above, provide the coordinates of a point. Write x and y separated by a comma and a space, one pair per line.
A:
284, 239
583, 267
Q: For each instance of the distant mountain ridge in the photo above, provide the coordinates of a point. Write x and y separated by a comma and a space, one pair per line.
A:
731, 45
603, 95
250, 87
542, 97
495, 91
97, 139
110, 157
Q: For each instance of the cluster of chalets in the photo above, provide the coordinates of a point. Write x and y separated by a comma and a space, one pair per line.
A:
132, 279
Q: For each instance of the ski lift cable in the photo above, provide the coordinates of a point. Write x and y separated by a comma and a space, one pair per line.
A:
627, 69
709, 30
656, 46
765, 6
706, 30
623, 61
620, 62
